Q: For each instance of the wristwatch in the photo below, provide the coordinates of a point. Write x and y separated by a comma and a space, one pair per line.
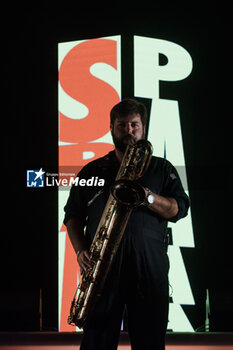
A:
149, 198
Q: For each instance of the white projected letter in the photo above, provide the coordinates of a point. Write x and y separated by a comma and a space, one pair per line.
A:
164, 129
146, 57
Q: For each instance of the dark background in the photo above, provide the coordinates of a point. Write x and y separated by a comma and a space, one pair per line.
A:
29, 238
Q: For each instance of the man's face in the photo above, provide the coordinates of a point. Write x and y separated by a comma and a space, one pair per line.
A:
125, 128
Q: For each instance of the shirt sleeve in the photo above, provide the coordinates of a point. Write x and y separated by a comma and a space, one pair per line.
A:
173, 188
75, 206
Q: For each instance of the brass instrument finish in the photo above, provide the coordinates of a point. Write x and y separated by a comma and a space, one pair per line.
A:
125, 194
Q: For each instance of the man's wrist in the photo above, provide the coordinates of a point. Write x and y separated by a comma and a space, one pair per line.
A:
149, 200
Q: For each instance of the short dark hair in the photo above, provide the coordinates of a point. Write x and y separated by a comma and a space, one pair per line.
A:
126, 107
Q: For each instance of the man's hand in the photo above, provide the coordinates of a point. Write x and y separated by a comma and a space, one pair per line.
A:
76, 233
84, 260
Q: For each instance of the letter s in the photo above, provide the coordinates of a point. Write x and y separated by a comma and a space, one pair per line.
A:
77, 81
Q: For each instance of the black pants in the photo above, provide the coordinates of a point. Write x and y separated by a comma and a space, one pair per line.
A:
147, 322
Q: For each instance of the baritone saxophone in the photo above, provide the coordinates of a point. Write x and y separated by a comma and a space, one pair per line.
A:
125, 194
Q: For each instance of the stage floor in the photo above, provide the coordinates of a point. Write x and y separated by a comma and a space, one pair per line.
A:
70, 341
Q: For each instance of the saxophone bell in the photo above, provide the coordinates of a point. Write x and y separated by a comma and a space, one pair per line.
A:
128, 193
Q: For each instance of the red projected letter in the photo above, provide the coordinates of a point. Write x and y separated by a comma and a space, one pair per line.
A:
98, 97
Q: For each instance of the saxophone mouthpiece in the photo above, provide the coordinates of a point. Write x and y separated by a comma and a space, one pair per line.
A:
130, 140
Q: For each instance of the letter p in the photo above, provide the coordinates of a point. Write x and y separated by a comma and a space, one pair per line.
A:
148, 72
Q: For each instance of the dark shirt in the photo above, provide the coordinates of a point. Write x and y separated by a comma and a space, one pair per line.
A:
141, 261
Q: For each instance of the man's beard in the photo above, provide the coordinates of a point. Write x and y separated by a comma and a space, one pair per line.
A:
122, 143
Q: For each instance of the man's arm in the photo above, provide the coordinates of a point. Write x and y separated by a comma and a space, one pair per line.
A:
76, 234
165, 207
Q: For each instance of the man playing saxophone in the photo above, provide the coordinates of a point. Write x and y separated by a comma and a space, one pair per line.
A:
138, 278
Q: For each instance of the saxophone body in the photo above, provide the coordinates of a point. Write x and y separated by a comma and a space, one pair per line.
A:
125, 194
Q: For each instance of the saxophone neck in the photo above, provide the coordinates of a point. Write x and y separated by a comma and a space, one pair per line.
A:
136, 160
